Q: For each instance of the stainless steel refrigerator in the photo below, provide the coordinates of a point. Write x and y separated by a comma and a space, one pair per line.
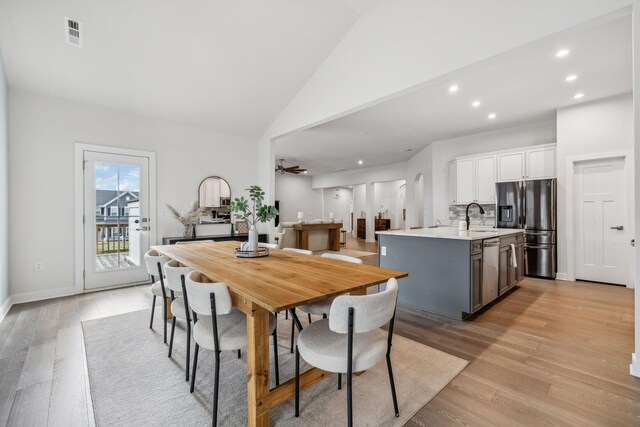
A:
531, 205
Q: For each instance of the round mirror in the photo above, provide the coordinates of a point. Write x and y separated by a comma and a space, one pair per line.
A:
214, 192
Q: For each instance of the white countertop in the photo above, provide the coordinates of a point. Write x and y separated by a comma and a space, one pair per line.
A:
453, 233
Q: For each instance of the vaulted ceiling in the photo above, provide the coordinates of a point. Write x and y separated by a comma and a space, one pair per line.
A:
230, 66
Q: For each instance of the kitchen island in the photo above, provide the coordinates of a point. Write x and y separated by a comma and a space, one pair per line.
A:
453, 273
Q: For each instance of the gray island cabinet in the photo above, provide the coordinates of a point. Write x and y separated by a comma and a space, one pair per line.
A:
453, 273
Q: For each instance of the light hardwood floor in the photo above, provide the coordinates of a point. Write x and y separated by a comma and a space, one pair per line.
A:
550, 353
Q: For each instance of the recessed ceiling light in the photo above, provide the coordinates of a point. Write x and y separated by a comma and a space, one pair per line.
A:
491, 116
453, 88
475, 104
571, 78
578, 95
360, 162
562, 53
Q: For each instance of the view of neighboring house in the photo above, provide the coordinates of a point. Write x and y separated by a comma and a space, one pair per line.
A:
113, 206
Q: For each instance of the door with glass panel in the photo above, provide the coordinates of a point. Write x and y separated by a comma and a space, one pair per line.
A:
116, 219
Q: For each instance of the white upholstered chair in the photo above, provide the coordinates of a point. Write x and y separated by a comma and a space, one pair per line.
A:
175, 281
298, 251
219, 326
321, 308
268, 245
350, 340
186, 242
154, 262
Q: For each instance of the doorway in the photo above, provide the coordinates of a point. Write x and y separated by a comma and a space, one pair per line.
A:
116, 221
602, 251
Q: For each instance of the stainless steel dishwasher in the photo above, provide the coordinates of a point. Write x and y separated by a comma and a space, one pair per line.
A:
490, 265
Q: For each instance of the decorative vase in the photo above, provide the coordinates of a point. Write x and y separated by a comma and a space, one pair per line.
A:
252, 244
187, 231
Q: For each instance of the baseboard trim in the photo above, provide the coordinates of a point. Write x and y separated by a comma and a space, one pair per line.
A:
634, 367
42, 295
562, 276
4, 309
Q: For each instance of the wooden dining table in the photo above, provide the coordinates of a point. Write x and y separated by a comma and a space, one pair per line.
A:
280, 281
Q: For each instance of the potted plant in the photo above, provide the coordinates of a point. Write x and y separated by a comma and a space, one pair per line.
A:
253, 211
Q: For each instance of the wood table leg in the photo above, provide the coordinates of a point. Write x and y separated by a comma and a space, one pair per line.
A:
334, 239
169, 314
257, 366
303, 239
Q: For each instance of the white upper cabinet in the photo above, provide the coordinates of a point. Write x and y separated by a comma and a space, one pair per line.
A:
452, 183
472, 179
541, 163
485, 179
529, 163
465, 181
511, 166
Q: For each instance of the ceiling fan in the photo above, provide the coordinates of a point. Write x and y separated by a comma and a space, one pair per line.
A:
291, 169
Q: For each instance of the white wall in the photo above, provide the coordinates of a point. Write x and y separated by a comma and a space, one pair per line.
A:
594, 127
296, 195
443, 152
340, 206
4, 188
359, 204
42, 134
389, 198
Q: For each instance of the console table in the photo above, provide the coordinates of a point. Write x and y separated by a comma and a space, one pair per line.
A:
262, 238
334, 234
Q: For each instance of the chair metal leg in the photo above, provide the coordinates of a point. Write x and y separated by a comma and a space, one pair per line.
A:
275, 357
286, 315
324, 315
339, 381
195, 365
350, 369
216, 383
297, 398
393, 386
292, 333
164, 315
186, 374
309, 316
153, 309
173, 330
239, 354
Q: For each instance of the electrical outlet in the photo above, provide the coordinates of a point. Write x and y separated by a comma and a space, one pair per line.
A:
38, 266
383, 251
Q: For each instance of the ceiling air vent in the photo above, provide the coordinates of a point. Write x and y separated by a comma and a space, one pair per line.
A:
72, 30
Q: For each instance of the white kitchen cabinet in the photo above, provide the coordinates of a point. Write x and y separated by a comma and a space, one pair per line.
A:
451, 173
485, 177
465, 181
511, 166
472, 179
541, 163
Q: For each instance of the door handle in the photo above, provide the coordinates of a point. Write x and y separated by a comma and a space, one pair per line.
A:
618, 227
633, 242
142, 229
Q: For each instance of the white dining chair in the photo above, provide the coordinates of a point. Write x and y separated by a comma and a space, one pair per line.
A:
187, 242
268, 245
175, 281
219, 327
321, 308
154, 262
298, 251
351, 340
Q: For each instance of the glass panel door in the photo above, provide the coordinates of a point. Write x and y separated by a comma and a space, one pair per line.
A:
116, 219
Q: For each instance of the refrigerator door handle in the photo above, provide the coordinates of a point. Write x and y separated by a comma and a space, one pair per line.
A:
523, 199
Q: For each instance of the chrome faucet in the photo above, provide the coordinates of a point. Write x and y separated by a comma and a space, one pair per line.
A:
467, 212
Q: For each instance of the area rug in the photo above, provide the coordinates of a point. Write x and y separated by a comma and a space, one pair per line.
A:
133, 382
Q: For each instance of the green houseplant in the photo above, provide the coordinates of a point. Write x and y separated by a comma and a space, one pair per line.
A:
254, 211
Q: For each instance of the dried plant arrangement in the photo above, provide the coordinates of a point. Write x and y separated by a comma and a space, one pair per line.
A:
188, 219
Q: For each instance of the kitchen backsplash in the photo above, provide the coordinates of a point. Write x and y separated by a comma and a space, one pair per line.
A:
457, 213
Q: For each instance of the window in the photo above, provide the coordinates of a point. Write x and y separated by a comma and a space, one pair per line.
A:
113, 211
126, 211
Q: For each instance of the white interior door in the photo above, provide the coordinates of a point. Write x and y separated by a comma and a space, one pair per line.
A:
116, 219
602, 244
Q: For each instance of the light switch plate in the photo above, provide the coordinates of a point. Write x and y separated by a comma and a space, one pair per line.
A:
383, 251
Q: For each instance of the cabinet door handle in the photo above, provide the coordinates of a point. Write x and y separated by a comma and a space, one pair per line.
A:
618, 227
